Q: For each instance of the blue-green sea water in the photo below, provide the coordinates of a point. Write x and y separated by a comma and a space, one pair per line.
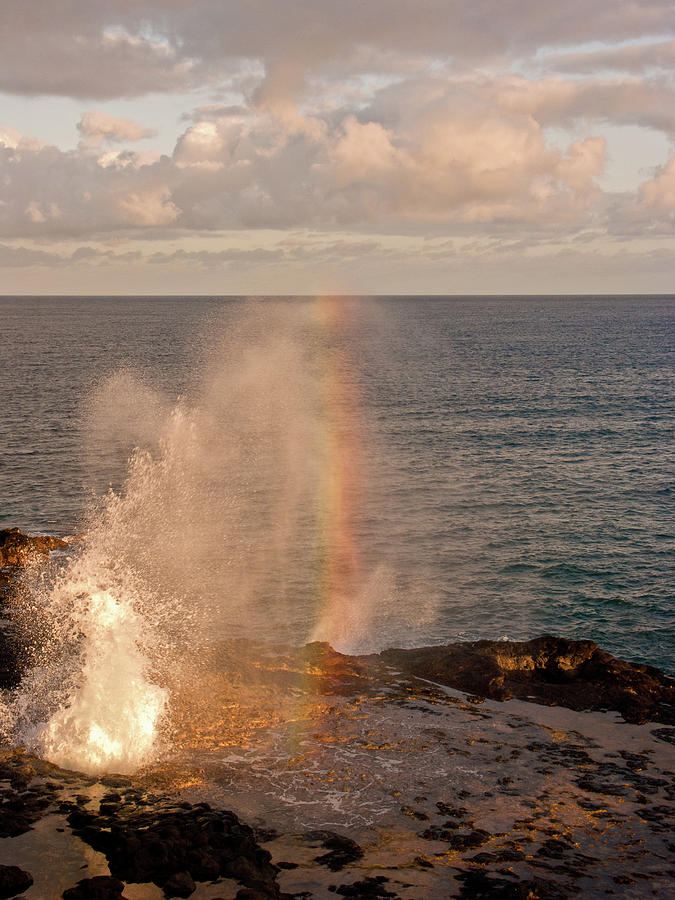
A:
525, 448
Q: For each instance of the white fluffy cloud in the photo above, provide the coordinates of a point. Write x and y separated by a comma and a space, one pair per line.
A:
443, 116
96, 127
444, 165
437, 150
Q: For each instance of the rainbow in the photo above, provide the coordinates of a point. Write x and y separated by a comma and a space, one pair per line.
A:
339, 610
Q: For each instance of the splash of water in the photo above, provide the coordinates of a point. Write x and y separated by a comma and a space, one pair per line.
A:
111, 718
90, 701
238, 516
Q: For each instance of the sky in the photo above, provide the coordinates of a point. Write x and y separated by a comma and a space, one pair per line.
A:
315, 147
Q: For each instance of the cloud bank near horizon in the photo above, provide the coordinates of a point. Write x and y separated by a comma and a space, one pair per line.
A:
441, 120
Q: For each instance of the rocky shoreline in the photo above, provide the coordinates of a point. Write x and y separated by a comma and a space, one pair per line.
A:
143, 838
481, 769
18, 549
550, 670
497, 803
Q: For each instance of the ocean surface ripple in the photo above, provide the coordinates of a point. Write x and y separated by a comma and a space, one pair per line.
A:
524, 447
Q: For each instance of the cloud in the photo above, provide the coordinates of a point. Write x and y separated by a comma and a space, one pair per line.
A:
13, 257
634, 58
215, 112
317, 140
47, 192
147, 207
287, 251
583, 162
74, 54
219, 258
21, 257
122, 48
558, 101
534, 260
443, 152
657, 196
11, 139
382, 118
122, 159
433, 157
96, 127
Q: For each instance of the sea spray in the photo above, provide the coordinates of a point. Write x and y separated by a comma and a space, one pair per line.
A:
238, 516
111, 718
244, 500
89, 700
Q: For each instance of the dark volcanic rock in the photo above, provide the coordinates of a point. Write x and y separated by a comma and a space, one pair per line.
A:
665, 734
456, 840
368, 887
478, 885
19, 549
13, 880
101, 887
20, 807
549, 670
179, 885
342, 851
12, 656
260, 893
164, 842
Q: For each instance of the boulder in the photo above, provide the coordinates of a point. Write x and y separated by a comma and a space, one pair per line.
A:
174, 845
342, 850
101, 887
180, 884
13, 880
19, 549
549, 670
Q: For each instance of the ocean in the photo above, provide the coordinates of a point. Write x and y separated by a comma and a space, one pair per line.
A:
462, 467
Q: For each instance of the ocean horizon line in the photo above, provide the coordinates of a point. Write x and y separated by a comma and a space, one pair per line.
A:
346, 296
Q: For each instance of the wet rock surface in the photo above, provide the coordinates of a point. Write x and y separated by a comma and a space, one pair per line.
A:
453, 796
13, 881
22, 805
173, 845
101, 887
550, 670
369, 887
439, 797
143, 838
363, 780
481, 886
342, 850
19, 549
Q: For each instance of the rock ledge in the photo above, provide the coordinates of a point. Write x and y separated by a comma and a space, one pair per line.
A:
19, 549
548, 670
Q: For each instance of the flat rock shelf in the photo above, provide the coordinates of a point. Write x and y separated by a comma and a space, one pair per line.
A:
392, 787
535, 769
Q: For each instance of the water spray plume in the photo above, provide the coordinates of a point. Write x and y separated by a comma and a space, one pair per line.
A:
236, 518
112, 717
